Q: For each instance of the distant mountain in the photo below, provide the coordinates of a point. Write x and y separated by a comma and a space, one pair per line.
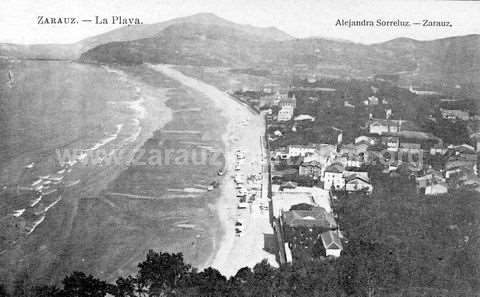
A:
128, 33
40, 51
206, 39
150, 30
449, 60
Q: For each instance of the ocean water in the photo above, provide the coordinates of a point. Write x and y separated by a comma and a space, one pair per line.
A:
77, 191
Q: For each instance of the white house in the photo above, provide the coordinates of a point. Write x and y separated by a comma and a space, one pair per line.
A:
332, 243
285, 113
356, 183
436, 189
379, 126
333, 176
301, 150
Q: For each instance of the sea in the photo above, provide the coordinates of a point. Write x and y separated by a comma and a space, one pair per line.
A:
98, 165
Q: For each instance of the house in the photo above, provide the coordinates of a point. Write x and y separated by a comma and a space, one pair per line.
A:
312, 168
288, 185
284, 200
467, 160
285, 114
455, 114
288, 102
392, 142
410, 152
430, 177
333, 176
300, 228
280, 153
380, 126
438, 149
436, 189
355, 183
301, 150
314, 217
332, 243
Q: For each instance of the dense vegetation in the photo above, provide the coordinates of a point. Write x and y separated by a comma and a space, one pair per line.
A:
331, 114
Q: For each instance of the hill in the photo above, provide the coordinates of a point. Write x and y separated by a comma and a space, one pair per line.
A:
447, 61
128, 33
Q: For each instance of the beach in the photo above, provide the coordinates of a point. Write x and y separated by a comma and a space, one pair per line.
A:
244, 131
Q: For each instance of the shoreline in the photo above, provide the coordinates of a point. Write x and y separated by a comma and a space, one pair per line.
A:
243, 130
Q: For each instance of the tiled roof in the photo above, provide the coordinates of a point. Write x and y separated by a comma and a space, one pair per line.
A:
316, 217
331, 240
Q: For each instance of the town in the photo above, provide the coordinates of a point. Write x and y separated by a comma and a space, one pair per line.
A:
330, 140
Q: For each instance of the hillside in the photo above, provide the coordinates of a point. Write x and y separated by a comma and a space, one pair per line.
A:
446, 61
129, 33
150, 30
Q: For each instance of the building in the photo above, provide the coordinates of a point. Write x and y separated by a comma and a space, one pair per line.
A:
301, 150
436, 189
301, 229
312, 169
285, 114
392, 143
332, 243
288, 102
355, 183
314, 217
283, 201
438, 149
380, 126
333, 177
430, 177
455, 114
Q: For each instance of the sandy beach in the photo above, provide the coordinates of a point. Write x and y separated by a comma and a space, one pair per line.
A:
243, 133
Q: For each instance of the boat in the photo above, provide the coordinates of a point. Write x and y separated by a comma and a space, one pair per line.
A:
220, 172
30, 166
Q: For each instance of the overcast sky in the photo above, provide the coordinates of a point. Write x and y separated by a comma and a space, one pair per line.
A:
299, 18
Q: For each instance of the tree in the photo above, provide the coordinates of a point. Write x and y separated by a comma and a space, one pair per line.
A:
80, 285
211, 283
125, 287
162, 271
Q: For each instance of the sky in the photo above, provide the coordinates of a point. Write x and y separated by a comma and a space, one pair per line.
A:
299, 18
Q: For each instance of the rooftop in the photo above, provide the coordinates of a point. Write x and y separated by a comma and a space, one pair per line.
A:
316, 217
331, 240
